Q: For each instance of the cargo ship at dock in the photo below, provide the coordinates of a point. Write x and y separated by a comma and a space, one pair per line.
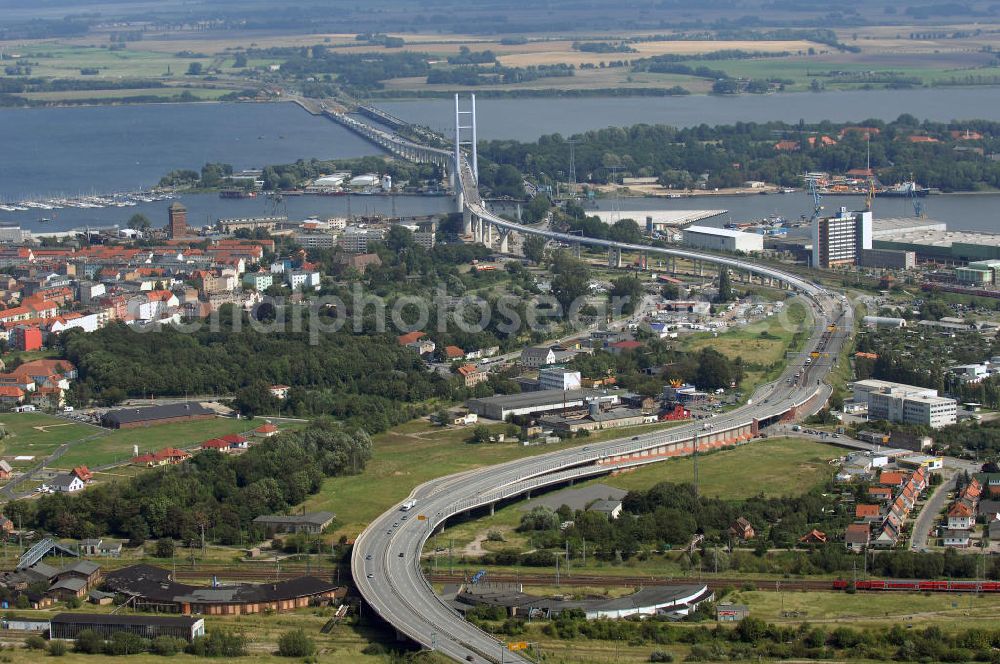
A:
906, 189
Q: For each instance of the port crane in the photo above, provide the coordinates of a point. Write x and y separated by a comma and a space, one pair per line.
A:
918, 205
817, 208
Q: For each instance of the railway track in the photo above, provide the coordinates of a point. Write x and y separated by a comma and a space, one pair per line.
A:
226, 574
241, 573
636, 581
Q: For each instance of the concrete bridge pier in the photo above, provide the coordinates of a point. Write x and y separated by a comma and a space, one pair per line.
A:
614, 257
492, 509
504, 244
576, 249
466, 222
488, 240
477, 229
459, 200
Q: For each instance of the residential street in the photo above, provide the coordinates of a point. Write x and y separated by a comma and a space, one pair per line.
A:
925, 520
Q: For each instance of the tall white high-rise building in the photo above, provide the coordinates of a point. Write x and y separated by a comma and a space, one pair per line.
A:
839, 240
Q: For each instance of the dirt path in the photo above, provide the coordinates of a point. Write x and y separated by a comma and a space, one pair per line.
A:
475, 547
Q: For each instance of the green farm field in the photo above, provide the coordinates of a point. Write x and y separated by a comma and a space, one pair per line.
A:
117, 445
199, 94
770, 468
416, 452
344, 643
764, 343
948, 611
38, 435
58, 61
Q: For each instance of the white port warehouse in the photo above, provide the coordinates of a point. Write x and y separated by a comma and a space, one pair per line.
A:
721, 239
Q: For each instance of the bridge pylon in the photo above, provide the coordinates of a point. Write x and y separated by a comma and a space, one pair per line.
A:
470, 135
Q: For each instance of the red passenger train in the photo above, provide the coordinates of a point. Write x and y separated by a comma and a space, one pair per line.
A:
920, 585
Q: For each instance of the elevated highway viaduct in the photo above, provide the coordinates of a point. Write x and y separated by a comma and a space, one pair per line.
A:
386, 557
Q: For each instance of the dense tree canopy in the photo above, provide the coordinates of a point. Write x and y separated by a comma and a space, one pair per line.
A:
366, 379
220, 492
730, 154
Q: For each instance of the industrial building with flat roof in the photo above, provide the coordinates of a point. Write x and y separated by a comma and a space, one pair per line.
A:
676, 600
889, 226
933, 243
310, 522
884, 321
888, 258
721, 239
979, 273
499, 407
657, 219
154, 587
69, 625
127, 418
909, 404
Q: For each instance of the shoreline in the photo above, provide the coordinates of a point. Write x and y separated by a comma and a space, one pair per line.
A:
555, 93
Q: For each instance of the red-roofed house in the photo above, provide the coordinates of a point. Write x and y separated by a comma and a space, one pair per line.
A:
216, 444
786, 146
742, 530
266, 430
83, 473
48, 397
922, 139
417, 342
868, 512
472, 375
235, 440
857, 536
966, 135
409, 338
10, 395
891, 479
822, 141
15, 314
961, 516
622, 346
59, 296
166, 456
19, 380
453, 353
44, 368
43, 308
813, 537
880, 492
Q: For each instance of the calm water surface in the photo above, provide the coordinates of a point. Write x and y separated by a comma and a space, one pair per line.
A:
68, 151
101, 149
